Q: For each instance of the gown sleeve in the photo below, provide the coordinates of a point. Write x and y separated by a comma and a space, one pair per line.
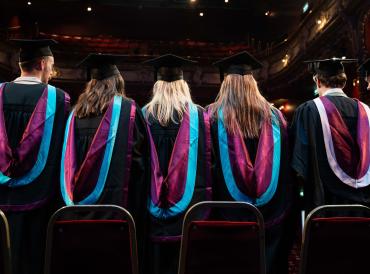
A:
299, 140
140, 169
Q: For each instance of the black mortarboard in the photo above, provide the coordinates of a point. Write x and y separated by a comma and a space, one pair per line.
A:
328, 67
101, 66
241, 63
168, 67
365, 68
31, 49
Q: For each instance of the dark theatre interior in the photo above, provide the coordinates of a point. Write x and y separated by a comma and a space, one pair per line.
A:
280, 34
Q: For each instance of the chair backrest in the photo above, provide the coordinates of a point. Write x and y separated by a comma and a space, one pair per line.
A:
91, 245
222, 247
337, 244
5, 262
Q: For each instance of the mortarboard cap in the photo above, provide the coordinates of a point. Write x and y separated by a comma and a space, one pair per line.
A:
364, 69
168, 67
241, 63
33, 48
328, 67
101, 66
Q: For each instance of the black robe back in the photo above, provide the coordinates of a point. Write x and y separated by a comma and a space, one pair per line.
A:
28, 208
309, 160
85, 130
164, 254
275, 212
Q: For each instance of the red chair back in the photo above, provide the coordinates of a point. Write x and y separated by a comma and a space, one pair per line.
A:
220, 247
336, 244
5, 261
91, 246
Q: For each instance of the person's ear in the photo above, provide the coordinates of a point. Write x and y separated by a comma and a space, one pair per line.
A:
42, 64
318, 83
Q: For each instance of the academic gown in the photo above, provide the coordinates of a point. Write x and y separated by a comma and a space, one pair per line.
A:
165, 234
138, 183
309, 159
276, 212
28, 208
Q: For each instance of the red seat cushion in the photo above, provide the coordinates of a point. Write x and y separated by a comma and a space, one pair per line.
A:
91, 246
223, 247
339, 245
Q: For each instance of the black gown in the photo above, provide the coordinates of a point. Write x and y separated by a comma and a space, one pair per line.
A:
163, 256
32, 205
138, 184
309, 160
276, 213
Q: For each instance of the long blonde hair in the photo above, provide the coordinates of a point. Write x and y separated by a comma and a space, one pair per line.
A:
168, 98
242, 105
98, 94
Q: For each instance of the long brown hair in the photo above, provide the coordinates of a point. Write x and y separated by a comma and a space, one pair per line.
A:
243, 106
98, 94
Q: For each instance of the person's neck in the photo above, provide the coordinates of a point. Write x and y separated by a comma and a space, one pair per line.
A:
31, 74
323, 90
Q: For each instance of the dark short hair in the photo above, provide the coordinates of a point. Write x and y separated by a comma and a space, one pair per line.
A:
30, 65
337, 81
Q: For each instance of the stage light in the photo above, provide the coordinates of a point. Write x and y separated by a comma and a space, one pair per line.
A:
226, 1
29, 3
267, 13
193, 1
89, 9
319, 22
201, 14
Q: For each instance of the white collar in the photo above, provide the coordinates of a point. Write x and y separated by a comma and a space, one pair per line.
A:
27, 80
335, 92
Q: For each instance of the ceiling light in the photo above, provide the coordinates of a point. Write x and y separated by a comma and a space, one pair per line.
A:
319, 21
226, 1
29, 3
89, 9
201, 14
193, 1
285, 59
270, 13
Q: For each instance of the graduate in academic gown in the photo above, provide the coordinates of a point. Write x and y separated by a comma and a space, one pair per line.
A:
330, 137
250, 142
32, 119
105, 157
365, 72
180, 160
